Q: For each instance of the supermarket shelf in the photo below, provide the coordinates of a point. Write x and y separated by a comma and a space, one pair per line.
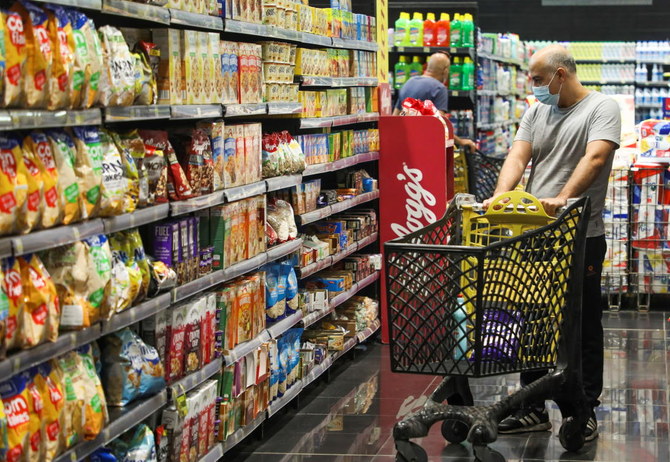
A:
214, 455
494, 125
369, 332
246, 28
137, 218
198, 21
196, 111
654, 160
606, 60
83, 4
649, 106
289, 396
282, 250
242, 110
244, 192
454, 51
193, 380
314, 267
489, 93
197, 203
316, 122
340, 164
462, 94
134, 10
652, 61
235, 439
120, 420
5, 247
344, 254
137, 313
325, 212
25, 359
136, 113
199, 285
22, 119
240, 351
317, 371
279, 328
283, 182
500, 59
319, 81
318, 40
609, 82
355, 44
348, 346
662, 84
284, 108
245, 266
55, 237
366, 241
338, 121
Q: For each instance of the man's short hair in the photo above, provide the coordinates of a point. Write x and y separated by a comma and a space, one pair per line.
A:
564, 60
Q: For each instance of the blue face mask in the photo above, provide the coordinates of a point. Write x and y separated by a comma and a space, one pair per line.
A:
544, 96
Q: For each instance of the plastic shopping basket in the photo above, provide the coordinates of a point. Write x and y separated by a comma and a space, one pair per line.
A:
483, 174
479, 294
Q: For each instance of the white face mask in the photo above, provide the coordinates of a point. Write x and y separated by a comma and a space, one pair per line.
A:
543, 94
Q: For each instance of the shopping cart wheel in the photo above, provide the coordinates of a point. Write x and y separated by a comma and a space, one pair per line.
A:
409, 452
486, 454
454, 431
571, 434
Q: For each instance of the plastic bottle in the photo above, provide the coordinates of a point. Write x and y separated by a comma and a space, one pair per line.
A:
401, 71
468, 31
455, 74
640, 73
468, 75
429, 31
455, 31
416, 68
401, 36
416, 30
442, 31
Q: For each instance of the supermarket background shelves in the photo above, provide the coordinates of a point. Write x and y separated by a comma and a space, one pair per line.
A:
234, 439
659, 84
320, 81
196, 111
500, 59
142, 11
244, 110
292, 393
338, 121
606, 60
243, 349
23, 119
196, 20
368, 332
136, 113
284, 108
245, 191
318, 169
279, 327
195, 379
282, 182
197, 203
454, 51
325, 212
607, 82
214, 455
136, 313
494, 125
84, 4
55, 237
137, 218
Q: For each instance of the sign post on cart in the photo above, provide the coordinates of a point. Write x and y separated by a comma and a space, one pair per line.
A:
416, 172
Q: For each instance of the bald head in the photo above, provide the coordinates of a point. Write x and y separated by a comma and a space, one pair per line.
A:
552, 57
438, 66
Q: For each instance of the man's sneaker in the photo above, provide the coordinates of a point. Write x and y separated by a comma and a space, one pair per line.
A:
591, 431
525, 420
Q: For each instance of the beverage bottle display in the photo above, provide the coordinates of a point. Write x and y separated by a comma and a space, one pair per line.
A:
468, 75
467, 31
401, 35
456, 74
455, 32
400, 73
442, 31
429, 31
416, 68
641, 73
416, 30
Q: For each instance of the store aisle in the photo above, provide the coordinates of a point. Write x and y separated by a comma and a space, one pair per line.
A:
353, 415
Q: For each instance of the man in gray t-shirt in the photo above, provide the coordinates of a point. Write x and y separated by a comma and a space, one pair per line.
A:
570, 137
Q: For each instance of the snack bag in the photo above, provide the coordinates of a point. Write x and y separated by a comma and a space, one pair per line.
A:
99, 270
32, 208
38, 50
41, 314
146, 91
64, 154
96, 406
155, 164
215, 132
13, 187
37, 144
142, 446
140, 257
4, 443
112, 193
68, 267
36, 408
53, 400
178, 187
117, 81
15, 54
120, 294
89, 168
122, 253
88, 62
13, 287
67, 369
15, 399
129, 148
62, 62
4, 315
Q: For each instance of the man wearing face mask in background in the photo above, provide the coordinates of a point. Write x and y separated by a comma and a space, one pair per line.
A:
430, 86
570, 138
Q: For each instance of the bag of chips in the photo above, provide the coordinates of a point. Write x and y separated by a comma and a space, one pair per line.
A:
15, 54
64, 154
38, 50
13, 287
15, 398
88, 61
31, 214
126, 145
129, 278
155, 164
41, 313
178, 187
67, 367
62, 66
140, 257
143, 445
96, 405
4, 442
117, 81
36, 409
37, 144
146, 91
99, 270
113, 191
13, 188
89, 168
53, 401
4, 315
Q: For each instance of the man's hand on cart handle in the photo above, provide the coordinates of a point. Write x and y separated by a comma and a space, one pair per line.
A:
552, 206
487, 202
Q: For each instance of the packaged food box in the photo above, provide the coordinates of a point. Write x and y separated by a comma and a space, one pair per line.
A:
169, 78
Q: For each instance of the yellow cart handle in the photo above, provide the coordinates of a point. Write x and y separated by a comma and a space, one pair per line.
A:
517, 207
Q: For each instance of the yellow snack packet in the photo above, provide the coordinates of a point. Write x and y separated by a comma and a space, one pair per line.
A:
96, 406
38, 145
31, 213
41, 312
64, 153
13, 187
15, 58
67, 367
59, 86
53, 400
89, 168
14, 290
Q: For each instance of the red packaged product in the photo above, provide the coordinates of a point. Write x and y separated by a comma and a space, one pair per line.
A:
176, 332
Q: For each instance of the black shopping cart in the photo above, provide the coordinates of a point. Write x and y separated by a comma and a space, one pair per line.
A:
481, 294
483, 174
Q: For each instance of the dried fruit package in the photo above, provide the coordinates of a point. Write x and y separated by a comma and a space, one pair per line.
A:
15, 398
41, 313
14, 289
178, 187
68, 267
89, 168
67, 367
215, 132
88, 60
62, 65
64, 154
53, 400
99, 268
117, 81
113, 191
129, 147
13, 189
15, 58
38, 50
156, 165
96, 405
38, 145
31, 214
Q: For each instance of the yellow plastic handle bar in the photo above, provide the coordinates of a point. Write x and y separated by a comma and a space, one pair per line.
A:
517, 207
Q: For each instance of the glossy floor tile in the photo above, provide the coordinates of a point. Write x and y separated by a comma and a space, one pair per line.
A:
350, 417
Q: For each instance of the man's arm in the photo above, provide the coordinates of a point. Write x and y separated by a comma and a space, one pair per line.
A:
513, 168
586, 172
396, 111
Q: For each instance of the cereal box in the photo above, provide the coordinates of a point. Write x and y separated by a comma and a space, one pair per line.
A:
203, 94
240, 157
193, 336
221, 223
190, 72
214, 77
245, 311
166, 243
169, 77
253, 137
176, 343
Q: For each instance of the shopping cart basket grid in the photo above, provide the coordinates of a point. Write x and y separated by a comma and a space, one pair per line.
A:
498, 305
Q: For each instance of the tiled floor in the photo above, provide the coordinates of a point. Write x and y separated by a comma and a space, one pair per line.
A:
351, 417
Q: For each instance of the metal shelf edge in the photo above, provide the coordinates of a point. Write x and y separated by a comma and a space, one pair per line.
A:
234, 439
280, 328
289, 396
232, 356
136, 314
193, 380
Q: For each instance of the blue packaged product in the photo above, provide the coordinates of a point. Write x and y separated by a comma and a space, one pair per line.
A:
275, 298
290, 288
